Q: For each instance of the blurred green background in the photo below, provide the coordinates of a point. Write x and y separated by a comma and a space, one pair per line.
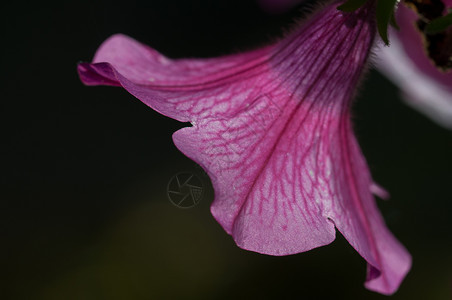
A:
83, 206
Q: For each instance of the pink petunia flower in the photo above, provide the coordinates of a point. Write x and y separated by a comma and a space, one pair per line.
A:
424, 86
272, 129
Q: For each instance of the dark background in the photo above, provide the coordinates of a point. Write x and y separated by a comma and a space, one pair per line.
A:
83, 206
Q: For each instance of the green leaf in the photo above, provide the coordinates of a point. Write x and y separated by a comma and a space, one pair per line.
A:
385, 11
351, 5
439, 24
393, 22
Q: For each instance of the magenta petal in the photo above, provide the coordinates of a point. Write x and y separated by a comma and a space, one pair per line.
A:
356, 219
406, 63
379, 191
413, 45
272, 129
184, 89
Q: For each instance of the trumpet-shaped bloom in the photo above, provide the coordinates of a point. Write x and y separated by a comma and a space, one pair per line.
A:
272, 129
406, 62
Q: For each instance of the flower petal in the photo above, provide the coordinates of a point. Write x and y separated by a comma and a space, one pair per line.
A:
419, 90
184, 89
379, 191
272, 129
354, 214
413, 45
424, 86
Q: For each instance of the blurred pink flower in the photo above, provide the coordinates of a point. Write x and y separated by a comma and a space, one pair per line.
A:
272, 129
424, 86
